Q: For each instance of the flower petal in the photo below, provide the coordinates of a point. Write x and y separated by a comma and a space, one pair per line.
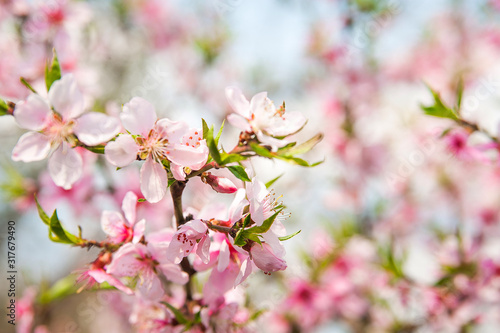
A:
125, 261
239, 122
139, 229
172, 130
32, 146
138, 116
94, 128
65, 166
291, 123
66, 98
101, 276
122, 151
265, 259
188, 156
174, 273
238, 101
112, 224
33, 114
245, 270
154, 181
128, 206
178, 171
224, 255
203, 249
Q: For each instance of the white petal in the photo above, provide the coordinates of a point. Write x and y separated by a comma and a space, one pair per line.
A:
32, 146
66, 98
65, 166
224, 255
94, 128
245, 270
174, 273
178, 171
154, 181
33, 114
173, 130
188, 156
128, 206
112, 223
238, 101
239, 122
139, 229
122, 151
138, 116
292, 122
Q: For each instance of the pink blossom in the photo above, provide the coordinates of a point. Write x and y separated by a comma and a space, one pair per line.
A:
261, 117
154, 141
193, 233
147, 262
220, 184
53, 134
264, 258
119, 229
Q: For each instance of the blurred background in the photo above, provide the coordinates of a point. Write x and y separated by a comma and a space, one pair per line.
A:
400, 229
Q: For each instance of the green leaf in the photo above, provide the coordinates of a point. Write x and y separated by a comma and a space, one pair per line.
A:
262, 151
439, 109
302, 148
254, 237
52, 71
4, 108
231, 158
240, 240
265, 225
460, 92
272, 181
284, 238
205, 128
208, 135
59, 290
45, 218
27, 85
179, 316
58, 234
95, 149
298, 161
141, 200
239, 172
219, 133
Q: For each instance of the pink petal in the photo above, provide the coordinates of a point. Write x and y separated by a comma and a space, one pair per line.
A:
149, 286
139, 229
173, 130
94, 128
154, 181
203, 249
239, 122
65, 166
265, 259
238, 101
174, 273
128, 206
197, 225
32, 146
66, 98
125, 261
236, 208
112, 224
224, 255
175, 251
245, 270
292, 122
33, 114
177, 171
138, 116
122, 151
188, 156
258, 101
101, 276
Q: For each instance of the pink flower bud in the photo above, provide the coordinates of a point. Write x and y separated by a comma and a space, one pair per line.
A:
220, 184
264, 258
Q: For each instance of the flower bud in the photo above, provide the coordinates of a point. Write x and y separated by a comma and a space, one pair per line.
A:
220, 184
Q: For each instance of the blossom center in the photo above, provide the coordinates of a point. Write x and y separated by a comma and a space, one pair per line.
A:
155, 145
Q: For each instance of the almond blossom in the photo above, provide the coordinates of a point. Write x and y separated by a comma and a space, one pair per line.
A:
155, 141
261, 117
190, 235
146, 262
119, 229
53, 134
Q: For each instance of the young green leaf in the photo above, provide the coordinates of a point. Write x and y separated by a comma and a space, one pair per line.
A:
262, 151
239, 172
219, 134
95, 149
284, 238
439, 109
272, 181
4, 108
265, 225
45, 218
58, 234
52, 71
302, 148
27, 85
181, 319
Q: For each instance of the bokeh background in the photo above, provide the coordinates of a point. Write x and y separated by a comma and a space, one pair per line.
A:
399, 223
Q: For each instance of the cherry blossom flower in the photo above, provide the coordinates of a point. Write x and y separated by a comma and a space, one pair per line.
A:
146, 262
191, 234
52, 134
261, 117
119, 229
156, 141
265, 259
